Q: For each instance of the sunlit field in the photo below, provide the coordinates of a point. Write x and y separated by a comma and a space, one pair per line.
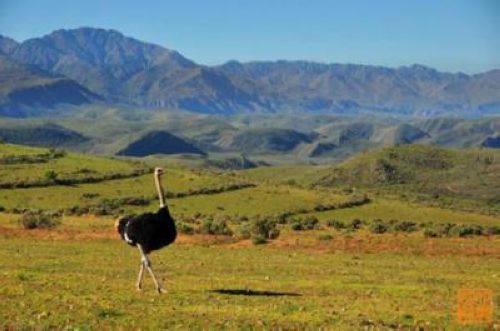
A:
340, 260
81, 276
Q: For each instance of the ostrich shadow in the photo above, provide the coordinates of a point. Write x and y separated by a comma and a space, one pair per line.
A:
248, 292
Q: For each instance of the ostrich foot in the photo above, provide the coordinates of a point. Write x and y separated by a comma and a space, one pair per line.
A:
161, 290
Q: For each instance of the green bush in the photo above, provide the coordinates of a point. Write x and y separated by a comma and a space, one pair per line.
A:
215, 227
184, 228
265, 227
40, 220
301, 224
244, 230
259, 230
90, 195
259, 240
378, 227
466, 230
444, 229
336, 224
77, 210
51, 176
356, 224
431, 233
325, 237
492, 230
405, 226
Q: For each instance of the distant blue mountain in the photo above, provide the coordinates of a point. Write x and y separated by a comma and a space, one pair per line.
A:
128, 71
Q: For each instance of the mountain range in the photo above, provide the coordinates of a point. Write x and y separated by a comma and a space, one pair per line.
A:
89, 65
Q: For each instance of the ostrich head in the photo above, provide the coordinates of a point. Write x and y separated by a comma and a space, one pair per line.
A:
159, 171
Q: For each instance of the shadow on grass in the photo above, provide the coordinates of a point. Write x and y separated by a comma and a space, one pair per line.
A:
249, 292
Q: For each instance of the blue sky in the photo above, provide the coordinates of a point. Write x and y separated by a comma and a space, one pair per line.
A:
451, 35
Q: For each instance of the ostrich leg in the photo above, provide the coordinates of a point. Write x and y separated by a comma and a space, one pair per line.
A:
141, 275
147, 264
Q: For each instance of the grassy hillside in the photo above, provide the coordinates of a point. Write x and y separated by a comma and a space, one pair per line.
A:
313, 274
26, 166
46, 134
444, 175
36, 178
265, 140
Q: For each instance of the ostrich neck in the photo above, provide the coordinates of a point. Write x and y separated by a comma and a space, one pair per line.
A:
159, 188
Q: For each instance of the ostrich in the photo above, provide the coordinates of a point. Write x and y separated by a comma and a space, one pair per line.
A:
149, 232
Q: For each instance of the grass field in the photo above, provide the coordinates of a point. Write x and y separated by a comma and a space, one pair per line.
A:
79, 275
66, 280
386, 209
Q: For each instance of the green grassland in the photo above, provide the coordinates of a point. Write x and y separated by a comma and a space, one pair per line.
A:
63, 196
465, 179
80, 275
72, 166
89, 284
387, 210
462, 174
262, 200
13, 150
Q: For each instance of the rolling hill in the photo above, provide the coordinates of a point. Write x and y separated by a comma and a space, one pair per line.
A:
442, 175
265, 140
159, 142
48, 135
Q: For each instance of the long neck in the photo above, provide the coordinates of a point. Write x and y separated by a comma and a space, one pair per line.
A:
159, 188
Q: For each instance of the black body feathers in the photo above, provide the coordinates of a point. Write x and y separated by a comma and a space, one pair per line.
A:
151, 230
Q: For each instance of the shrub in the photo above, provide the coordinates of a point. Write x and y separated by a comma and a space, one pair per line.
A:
492, 230
51, 176
77, 210
444, 229
133, 201
405, 226
281, 218
215, 227
259, 240
244, 230
56, 153
378, 226
259, 230
184, 228
308, 223
265, 227
467, 230
40, 220
336, 224
86, 171
322, 207
90, 195
356, 224
325, 237
431, 233
297, 226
